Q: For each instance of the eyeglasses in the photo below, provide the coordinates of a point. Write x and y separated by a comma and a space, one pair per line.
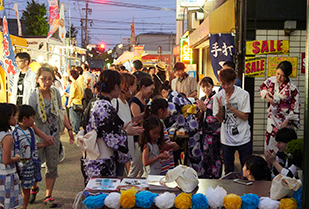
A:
47, 79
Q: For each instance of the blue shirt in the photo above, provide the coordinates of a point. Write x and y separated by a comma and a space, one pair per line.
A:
67, 90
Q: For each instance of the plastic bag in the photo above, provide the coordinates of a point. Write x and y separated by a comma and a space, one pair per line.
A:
185, 177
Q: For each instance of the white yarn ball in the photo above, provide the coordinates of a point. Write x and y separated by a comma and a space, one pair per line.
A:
267, 203
165, 200
215, 196
113, 200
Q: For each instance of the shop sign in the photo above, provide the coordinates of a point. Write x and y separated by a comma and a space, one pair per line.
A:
267, 47
185, 51
179, 11
255, 67
303, 63
274, 61
138, 51
192, 3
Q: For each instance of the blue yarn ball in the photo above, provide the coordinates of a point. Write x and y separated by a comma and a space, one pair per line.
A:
199, 201
95, 202
250, 201
144, 199
297, 195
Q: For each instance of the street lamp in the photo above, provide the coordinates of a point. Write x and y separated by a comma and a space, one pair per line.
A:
120, 46
109, 51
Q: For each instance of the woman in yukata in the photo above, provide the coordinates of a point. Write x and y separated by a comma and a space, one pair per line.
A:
283, 103
110, 129
210, 128
183, 115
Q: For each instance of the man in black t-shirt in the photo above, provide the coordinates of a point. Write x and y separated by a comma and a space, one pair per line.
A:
24, 81
137, 70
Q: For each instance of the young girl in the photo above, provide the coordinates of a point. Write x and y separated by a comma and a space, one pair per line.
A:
10, 192
158, 107
210, 128
150, 141
46, 101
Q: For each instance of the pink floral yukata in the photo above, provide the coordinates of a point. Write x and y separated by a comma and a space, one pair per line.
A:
287, 99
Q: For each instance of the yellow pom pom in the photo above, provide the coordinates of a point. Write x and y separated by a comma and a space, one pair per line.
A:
183, 201
288, 203
232, 201
127, 198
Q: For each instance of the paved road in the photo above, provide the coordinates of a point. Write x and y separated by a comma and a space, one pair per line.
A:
69, 182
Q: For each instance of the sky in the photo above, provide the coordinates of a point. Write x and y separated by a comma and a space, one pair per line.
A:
111, 22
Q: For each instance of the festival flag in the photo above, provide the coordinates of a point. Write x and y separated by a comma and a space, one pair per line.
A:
62, 30
7, 61
15, 8
1, 5
53, 19
222, 49
132, 32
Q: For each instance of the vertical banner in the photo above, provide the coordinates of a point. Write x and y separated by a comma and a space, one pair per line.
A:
303, 63
7, 61
222, 49
138, 52
15, 8
132, 32
1, 4
185, 51
53, 19
62, 30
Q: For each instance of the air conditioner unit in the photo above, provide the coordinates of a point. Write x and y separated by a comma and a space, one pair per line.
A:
194, 23
199, 15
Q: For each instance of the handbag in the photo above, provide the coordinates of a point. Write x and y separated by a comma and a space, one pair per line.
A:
78, 107
94, 147
62, 115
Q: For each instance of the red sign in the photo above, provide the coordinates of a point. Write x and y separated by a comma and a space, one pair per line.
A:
303, 63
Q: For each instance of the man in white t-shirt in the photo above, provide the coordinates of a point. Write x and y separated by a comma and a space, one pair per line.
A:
24, 81
232, 108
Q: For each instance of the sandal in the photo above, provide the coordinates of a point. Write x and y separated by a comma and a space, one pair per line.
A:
49, 201
33, 193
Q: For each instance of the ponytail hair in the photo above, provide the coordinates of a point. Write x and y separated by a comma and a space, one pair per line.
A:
165, 86
108, 80
144, 82
151, 123
154, 106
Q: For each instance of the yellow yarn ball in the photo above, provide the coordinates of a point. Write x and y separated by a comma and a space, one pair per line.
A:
288, 203
232, 201
127, 198
183, 201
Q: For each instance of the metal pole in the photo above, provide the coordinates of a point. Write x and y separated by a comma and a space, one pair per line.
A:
305, 201
69, 23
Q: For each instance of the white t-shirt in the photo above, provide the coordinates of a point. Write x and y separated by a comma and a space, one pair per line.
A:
234, 131
124, 113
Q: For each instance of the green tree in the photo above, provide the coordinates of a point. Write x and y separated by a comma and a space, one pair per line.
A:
74, 32
35, 19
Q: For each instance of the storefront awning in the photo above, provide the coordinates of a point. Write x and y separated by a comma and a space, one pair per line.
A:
213, 24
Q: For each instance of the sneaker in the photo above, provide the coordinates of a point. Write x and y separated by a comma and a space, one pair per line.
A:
49, 201
33, 193
43, 165
61, 155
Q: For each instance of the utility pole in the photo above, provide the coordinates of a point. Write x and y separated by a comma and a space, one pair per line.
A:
85, 41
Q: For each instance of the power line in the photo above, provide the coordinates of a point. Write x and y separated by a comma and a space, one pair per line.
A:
122, 22
136, 6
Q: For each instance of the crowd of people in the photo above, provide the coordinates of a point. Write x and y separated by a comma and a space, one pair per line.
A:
132, 115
